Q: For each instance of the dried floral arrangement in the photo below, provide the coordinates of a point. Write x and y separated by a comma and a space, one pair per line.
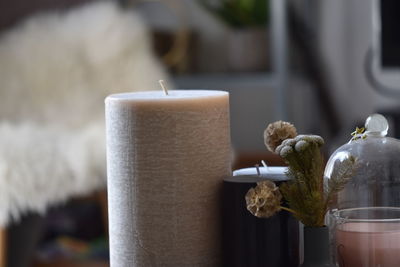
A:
306, 195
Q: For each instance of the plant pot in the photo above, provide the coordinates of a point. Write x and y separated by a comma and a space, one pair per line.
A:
316, 247
247, 49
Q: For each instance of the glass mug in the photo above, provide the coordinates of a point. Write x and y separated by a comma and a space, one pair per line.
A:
366, 237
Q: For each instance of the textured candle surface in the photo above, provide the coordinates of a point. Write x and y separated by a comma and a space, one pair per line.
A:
166, 157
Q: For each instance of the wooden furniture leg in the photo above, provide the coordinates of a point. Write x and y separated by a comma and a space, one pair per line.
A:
3, 246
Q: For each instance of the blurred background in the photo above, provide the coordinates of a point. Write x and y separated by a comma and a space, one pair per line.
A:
322, 65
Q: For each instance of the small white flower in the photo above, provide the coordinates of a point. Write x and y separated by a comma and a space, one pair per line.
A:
310, 138
279, 148
316, 139
300, 137
320, 140
285, 151
289, 142
301, 145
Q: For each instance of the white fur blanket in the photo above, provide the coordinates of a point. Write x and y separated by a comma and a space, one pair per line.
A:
55, 71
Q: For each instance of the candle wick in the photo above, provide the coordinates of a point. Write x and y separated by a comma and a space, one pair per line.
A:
165, 89
258, 169
264, 164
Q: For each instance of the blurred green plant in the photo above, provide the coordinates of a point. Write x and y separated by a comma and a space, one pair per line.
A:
239, 13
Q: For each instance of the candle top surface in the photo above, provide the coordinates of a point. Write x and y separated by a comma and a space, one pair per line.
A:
161, 96
274, 173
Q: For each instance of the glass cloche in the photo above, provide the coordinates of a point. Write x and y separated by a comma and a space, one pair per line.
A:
365, 217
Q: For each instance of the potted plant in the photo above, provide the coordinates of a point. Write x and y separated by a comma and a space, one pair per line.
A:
307, 198
247, 36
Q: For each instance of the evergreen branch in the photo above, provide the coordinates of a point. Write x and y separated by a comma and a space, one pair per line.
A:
339, 178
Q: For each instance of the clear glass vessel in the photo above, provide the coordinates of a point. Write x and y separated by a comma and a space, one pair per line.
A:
364, 237
365, 217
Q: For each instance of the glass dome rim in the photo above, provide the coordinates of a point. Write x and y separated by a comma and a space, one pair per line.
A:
337, 217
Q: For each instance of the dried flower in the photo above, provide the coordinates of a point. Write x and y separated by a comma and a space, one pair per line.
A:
358, 133
307, 196
264, 200
276, 132
301, 145
285, 151
288, 142
311, 139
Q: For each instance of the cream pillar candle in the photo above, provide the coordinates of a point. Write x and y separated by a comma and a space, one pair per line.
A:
166, 158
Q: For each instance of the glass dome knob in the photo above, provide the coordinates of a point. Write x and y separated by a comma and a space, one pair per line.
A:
377, 124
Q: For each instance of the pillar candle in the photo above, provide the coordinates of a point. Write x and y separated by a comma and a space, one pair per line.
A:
251, 241
166, 158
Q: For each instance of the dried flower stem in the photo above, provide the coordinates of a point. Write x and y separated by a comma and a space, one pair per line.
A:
288, 209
